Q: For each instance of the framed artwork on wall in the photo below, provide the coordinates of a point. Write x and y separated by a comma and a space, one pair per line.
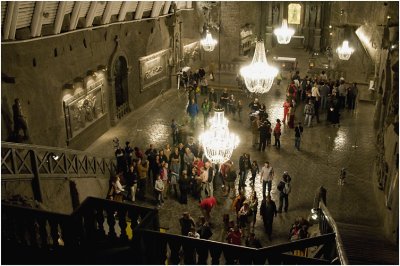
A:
84, 108
153, 68
191, 53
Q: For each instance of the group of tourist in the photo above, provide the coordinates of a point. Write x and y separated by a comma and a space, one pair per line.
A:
184, 170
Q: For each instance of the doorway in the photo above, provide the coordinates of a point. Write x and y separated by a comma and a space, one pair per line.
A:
121, 86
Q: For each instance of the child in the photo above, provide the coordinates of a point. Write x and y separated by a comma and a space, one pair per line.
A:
159, 187
254, 171
342, 176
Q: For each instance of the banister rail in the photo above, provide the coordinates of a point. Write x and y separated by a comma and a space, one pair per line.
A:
339, 244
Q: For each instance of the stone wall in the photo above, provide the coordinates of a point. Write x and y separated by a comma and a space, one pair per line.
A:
42, 67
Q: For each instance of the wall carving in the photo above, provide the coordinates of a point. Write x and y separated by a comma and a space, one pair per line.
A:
294, 14
153, 68
84, 108
191, 53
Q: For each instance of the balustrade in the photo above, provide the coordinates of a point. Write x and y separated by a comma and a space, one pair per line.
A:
122, 110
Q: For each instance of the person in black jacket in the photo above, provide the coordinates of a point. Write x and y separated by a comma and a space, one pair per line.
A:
268, 211
244, 167
132, 180
184, 183
264, 129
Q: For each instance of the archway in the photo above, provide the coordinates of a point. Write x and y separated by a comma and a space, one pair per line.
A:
121, 86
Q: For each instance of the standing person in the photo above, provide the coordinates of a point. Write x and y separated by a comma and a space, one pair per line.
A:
268, 211
230, 180
210, 182
284, 188
309, 113
232, 105
132, 180
253, 205
192, 110
119, 190
254, 171
184, 183
121, 162
316, 110
223, 100
143, 168
243, 217
175, 161
206, 206
266, 176
204, 229
138, 153
324, 92
213, 98
188, 159
291, 116
244, 167
239, 108
342, 93
298, 133
352, 92
263, 129
186, 222
234, 236
174, 128
315, 95
205, 109
204, 86
254, 129
277, 134
159, 188
128, 153
286, 106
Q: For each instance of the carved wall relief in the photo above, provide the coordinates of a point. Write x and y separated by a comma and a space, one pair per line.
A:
247, 39
153, 68
191, 53
84, 108
294, 13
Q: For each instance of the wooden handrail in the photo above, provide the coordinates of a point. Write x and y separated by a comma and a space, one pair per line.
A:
339, 244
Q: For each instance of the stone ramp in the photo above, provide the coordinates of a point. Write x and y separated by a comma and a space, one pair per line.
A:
366, 245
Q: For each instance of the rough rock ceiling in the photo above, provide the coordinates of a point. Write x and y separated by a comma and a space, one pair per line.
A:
42, 18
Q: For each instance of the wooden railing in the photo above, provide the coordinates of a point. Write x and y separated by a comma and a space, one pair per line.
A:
33, 162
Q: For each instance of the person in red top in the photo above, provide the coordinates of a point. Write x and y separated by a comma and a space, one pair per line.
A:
277, 134
198, 165
286, 106
235, 236
206, 206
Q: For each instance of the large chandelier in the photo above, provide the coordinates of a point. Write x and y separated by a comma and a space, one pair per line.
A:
218, 143
344, 51
284, 34
208, 42
259, 76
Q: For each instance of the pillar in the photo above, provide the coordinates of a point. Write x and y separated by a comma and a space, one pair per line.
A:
111, 101
269, 34
306, 27
317, 30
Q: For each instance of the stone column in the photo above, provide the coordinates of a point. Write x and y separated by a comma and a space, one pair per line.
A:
269, 33
306, 28
317, 31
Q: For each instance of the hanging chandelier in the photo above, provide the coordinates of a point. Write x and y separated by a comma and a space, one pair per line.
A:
344, 52
259, 76
208, 42
284, 34
218, 143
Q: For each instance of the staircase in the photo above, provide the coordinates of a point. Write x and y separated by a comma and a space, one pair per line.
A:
365, 245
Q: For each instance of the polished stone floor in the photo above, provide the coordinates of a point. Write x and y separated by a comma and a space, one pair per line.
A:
324, 151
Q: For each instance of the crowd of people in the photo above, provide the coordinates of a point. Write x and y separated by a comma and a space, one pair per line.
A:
183, 170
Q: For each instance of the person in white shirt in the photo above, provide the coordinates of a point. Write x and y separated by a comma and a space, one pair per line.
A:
159, 187
193, 233
315, 92
119, 191
266, 176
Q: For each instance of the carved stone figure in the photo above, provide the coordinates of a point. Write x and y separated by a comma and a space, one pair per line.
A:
19, 120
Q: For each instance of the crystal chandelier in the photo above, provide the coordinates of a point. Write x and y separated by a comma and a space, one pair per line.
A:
344, 51
259, 76
284, 34
208, 42
218, 143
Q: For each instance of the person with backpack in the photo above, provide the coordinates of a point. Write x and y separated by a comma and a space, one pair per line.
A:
284, 187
